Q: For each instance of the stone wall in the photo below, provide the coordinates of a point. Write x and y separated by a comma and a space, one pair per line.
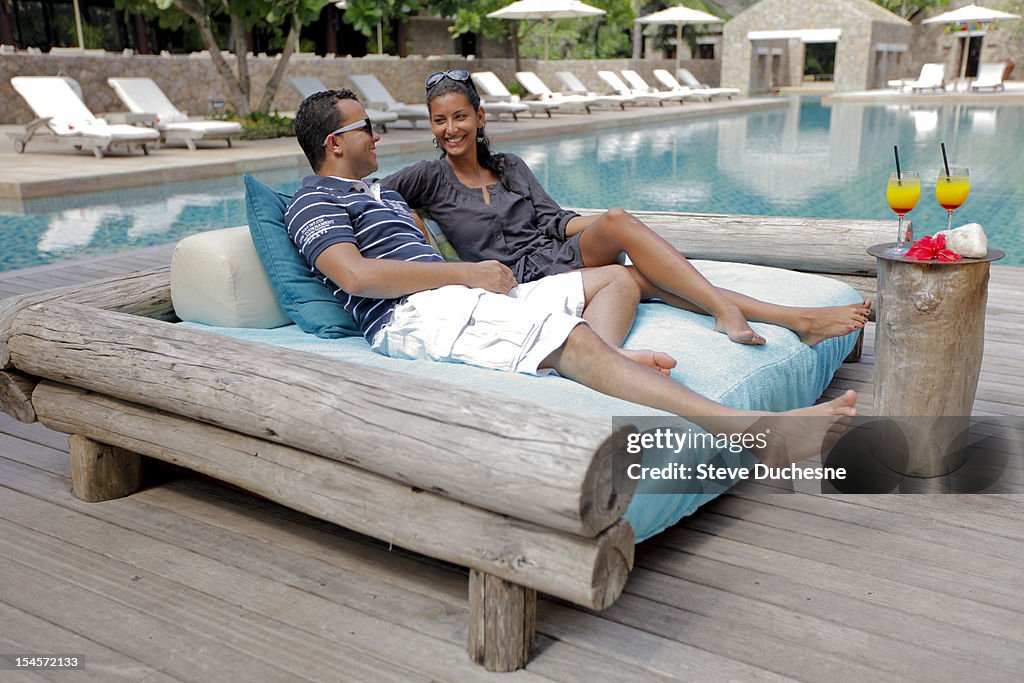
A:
192, 82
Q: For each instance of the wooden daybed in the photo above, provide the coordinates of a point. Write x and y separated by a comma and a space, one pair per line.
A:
522, 497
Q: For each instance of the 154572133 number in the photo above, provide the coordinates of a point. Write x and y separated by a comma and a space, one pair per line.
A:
35, 661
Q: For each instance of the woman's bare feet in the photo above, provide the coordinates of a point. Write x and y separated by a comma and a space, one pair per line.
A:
731, 322
814, 325
662, 362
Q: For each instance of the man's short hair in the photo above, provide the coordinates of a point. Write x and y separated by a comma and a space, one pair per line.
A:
318, 117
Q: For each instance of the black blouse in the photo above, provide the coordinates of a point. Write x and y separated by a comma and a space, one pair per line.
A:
522, 227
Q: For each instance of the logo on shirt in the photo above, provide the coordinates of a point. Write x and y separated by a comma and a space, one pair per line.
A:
400, 207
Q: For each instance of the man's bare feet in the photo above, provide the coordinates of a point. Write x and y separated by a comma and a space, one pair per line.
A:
732, 323
818, 324
804, 433
662, 362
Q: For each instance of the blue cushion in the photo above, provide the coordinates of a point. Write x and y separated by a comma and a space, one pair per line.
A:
304, 298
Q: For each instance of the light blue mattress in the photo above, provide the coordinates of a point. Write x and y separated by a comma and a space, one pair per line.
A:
781, 375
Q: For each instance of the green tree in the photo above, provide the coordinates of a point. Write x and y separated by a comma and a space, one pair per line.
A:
1014, 29
600, 37
282, 17
908, 8
367, 15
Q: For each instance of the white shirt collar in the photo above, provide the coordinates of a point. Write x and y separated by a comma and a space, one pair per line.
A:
373, 188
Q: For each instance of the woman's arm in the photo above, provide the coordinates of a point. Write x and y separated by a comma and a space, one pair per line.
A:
550, 217
416, 183
579, 224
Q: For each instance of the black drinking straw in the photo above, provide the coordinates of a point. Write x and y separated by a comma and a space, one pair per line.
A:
945, 162
896, 151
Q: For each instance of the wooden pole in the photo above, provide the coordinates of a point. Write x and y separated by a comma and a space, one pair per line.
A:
101, 472
587, 571
144, 293
502, 622
551, 466
78, 25
16, 395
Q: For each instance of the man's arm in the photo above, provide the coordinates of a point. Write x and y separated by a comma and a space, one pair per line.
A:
390, 279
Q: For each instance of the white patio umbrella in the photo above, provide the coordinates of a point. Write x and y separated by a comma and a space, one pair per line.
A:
679, 15
546, 10
968, 14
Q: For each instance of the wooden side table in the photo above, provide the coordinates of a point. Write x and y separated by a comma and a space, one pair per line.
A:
929, 341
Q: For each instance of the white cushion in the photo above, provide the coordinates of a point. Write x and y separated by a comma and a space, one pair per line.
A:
217, 279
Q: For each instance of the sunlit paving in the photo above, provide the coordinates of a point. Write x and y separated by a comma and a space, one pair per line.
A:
603, 341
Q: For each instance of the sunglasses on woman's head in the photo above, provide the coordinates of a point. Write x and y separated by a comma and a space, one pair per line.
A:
358, 125
460, 75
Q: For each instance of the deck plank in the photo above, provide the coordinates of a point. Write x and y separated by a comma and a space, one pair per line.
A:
301, 631
409, 580
870, 568
26, 633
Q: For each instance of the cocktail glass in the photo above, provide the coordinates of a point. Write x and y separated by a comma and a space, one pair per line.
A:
902, 193
951, 190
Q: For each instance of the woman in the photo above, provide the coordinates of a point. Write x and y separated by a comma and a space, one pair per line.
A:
490, 206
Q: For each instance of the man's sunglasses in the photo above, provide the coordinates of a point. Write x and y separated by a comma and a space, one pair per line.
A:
358, 125
460, 75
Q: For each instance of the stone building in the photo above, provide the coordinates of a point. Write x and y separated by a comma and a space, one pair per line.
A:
764, 47
963, 48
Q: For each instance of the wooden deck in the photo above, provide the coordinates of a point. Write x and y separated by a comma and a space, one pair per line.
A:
194, 581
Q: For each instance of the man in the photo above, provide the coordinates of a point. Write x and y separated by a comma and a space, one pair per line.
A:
410, 303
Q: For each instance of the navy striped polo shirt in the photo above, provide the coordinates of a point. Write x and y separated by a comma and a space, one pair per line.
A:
328, 210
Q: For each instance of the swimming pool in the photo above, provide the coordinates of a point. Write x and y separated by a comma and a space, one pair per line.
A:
803, 160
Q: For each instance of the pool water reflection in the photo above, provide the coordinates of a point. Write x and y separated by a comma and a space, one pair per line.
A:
801, 160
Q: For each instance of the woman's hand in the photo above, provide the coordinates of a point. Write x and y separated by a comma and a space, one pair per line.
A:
490, 275
579, 224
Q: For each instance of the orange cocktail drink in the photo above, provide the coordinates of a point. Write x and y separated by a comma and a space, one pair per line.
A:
951, 190
902, 193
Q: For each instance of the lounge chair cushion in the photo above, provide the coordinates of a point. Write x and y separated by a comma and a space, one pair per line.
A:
781, 375
306, 300
217, 279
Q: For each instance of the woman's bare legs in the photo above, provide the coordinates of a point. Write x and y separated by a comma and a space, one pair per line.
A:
811, 324
662, 272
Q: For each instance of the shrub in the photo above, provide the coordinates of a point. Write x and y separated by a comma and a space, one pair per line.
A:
260, 126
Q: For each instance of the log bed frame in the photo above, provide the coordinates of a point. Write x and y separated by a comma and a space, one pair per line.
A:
102, 362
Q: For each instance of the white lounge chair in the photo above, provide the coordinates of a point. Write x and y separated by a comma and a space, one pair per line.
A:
495, 105
690, 81
637, 83
619, 87
493, 91
143, 95
307, 85
377, 96
59, 111
575, 86
932, 77
666, 78
539, 90
990, 76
